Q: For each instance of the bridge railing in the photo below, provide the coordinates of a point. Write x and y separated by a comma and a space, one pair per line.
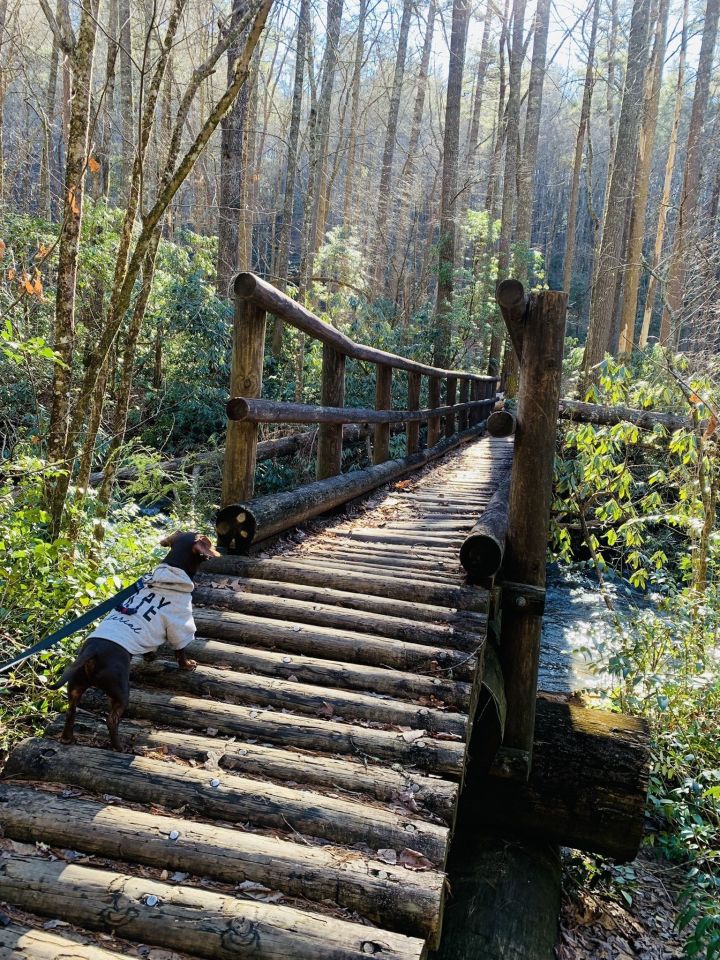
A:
469, 397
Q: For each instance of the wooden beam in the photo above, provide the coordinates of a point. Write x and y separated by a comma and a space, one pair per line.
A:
482, 551
383, 401
244, 409
249, 287
450, 401
607, 416
529, 508
501, 423
433, 427
330, 436
246, 379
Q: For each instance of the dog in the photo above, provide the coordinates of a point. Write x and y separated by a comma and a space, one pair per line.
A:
161, 612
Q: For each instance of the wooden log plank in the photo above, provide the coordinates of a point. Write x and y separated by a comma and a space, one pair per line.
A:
388, 570
394, 625
482, 551
351, 600
460, 598
246, 377
248, 286
413, 403
389, 895
232, 687
18, 942
383, 402
335, 644
227, 797
330, 436
370, 569
332, 673
269, 515
201, 922
444, 757
274, 763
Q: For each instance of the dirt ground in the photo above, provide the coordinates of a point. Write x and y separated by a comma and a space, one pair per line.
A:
594, 926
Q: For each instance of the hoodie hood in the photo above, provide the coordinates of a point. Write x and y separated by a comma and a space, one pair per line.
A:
170, 578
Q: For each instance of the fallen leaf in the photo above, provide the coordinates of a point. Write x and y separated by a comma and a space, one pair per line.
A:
3, 248
387, 856
52, 924
93, 165
410, 736
412, 860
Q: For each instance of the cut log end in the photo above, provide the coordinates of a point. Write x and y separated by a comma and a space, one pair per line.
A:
510, 293
236, 408
244, 285
501, 423
481, 554
235, 527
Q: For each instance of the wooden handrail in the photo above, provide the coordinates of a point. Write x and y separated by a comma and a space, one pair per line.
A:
254, 298
247, 286
275, 411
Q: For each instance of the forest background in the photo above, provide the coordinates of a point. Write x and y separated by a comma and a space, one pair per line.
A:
386, 163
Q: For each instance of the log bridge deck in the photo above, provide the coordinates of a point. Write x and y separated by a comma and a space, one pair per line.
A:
295, 796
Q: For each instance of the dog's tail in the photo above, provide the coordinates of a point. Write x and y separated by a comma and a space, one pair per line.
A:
84, 659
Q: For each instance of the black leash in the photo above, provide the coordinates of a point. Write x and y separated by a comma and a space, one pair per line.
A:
70, 628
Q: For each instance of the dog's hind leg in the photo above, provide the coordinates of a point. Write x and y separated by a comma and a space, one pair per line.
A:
75, 691
118, 706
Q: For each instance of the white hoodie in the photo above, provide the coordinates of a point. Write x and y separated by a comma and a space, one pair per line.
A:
159, 613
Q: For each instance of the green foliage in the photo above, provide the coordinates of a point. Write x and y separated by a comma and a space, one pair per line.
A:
644, 504
44, 584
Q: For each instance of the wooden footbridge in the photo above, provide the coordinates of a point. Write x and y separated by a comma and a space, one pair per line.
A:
296, 795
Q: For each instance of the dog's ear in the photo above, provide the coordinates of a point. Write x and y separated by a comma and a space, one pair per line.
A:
170, 539
204, 547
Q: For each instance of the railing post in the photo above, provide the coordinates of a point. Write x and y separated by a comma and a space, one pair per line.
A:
541, 355
450, 401
475, 389
412, 430
383, 401
433, 428
464, 393
330, 435
248, 351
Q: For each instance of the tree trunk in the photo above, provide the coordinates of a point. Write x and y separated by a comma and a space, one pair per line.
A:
127, 115
232, 171
283, 256
474, 131
383, 250
348, 192
512, 149
641, 188
526, 166
83, 56
579, 142
448, 199
318, 138
610, 265
667, 183
672, 319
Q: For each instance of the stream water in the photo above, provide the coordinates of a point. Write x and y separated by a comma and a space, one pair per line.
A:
578, 631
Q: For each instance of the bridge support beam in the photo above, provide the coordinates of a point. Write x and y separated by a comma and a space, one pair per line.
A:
540, 337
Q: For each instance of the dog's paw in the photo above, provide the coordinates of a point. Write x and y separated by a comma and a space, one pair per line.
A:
187, 664
149, 657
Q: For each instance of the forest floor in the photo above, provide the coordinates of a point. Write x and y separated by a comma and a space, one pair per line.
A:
595, 926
